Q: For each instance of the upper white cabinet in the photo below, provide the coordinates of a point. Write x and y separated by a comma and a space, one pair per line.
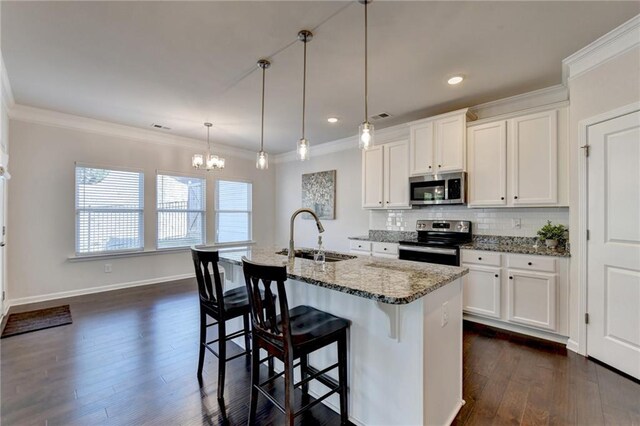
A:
514, 162
438, 144
385, 176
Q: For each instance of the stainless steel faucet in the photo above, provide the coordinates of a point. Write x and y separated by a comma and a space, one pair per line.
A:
291, 253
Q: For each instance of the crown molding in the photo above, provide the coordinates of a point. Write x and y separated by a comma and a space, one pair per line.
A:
7, 92
68, 121
538, 98
610, 45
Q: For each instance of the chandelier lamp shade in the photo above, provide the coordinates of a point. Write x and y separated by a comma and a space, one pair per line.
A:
303, 148
207, 161
262, 160
365, 132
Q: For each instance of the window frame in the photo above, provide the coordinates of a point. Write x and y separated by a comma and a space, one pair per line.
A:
216, 210
203, 211
77, 210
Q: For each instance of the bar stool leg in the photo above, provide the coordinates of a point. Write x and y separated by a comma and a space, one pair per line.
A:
255, 380
247, 337
222, 357
203, 341
288, 390
304, 373
342, 377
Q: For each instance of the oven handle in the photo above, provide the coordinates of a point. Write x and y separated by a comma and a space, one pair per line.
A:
429, 250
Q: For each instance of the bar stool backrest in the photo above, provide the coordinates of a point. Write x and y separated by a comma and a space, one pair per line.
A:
210, 293
259, 277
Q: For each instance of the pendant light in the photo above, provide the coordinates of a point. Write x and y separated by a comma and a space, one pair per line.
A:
365, 133
262, 161
303, 144
208, 161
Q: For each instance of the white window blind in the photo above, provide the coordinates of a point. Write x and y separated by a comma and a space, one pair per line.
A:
233, 211
109, 210
181, 207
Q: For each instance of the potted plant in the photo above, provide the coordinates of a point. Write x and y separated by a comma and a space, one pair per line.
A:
552, 234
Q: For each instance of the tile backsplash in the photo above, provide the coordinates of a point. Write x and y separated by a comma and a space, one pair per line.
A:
485, 221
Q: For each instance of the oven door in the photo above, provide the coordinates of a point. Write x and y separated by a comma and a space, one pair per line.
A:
439, 255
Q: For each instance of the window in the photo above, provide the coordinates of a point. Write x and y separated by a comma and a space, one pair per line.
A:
181, 207
109, 207
233, 211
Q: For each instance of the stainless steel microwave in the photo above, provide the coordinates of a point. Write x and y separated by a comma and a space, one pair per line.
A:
445, 188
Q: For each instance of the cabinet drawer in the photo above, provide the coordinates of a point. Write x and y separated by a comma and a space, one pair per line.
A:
532, 263
385, 248
480, 257
360, 245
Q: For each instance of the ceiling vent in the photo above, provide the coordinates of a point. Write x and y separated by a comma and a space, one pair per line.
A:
160, 126
380, 116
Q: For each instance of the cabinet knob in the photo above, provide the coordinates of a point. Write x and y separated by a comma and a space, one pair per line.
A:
479, 258
385, 249
429, 166
502, 198
496, 275
530, 263
379, 202
510, 278
515, 197
439, 165
387, 202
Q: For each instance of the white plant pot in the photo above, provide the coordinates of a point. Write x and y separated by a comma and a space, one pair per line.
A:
551, 243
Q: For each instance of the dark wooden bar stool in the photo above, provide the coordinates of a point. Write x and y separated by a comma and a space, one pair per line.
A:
292, 335
221, 306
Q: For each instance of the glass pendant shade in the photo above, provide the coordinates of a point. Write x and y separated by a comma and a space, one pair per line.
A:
262, 161
303, 150
197, 161
365, 139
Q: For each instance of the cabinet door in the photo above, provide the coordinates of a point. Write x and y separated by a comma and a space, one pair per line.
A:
450, 144
372, 177
488, 164
533, 141
481, 292
421, 149
532, 299
396, 183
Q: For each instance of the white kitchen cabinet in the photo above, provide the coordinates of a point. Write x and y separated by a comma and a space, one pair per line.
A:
438, 145
374, 248
360, 247
532, 299
373, 177
385, 176
481, 292
514, 162
487, 150
533, 140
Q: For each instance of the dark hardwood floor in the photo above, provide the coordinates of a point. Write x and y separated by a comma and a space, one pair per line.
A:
130, 357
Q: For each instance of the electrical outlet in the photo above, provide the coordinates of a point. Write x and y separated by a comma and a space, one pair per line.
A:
107, 268
515, 223
445, 314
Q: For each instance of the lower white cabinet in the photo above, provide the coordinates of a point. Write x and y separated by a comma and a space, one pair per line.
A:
481, 293
529, 291
532, 299
374, 248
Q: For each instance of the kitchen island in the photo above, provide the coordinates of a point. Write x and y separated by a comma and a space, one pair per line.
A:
405, 340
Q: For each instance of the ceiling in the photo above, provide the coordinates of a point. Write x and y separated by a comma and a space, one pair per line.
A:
179, 64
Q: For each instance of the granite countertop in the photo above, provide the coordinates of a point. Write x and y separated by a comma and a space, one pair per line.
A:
521, 245
389, 281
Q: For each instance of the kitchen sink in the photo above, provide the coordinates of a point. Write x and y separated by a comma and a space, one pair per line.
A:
329, 256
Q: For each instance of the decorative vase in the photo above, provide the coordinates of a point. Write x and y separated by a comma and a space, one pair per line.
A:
552, 244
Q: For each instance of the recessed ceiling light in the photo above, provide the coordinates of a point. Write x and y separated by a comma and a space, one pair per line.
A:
456, 79
332, 119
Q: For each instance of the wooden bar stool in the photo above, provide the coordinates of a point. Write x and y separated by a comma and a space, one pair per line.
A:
221, 306
292, 335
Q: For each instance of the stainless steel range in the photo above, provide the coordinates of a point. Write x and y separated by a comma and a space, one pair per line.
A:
438, 242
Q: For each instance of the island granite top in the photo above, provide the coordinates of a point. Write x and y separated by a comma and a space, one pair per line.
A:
389, 281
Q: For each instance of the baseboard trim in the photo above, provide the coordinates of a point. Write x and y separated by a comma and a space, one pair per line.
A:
573, 346
522, 333
455, 412
92, 290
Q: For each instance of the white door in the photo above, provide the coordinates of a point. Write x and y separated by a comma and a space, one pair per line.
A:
532, 299
533, 141
372, 177
2, 272
488, 164
421, 149
481, 292
450, 144
396, 184
613, 280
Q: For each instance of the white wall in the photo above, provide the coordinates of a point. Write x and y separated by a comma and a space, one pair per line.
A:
42, 213
351, 219
611, 85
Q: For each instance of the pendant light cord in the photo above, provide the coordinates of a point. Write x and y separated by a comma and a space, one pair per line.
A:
262, 125
366, 64
208, 141
304, 84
